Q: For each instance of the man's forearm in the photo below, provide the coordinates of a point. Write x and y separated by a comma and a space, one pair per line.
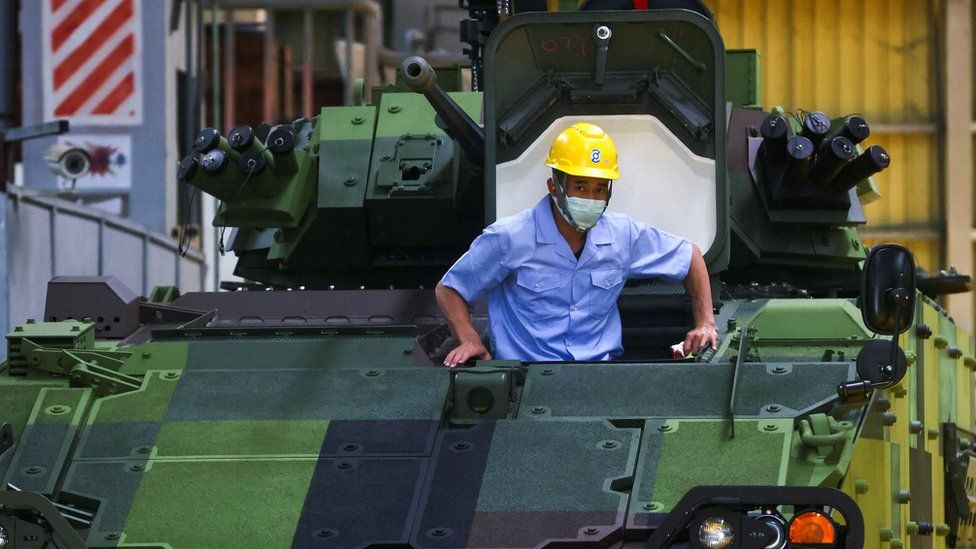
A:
455, 310
699, 289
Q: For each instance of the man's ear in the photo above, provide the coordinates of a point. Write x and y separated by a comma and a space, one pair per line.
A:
552, 186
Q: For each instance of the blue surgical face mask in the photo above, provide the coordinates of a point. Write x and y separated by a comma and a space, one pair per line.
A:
585, 212
582, 213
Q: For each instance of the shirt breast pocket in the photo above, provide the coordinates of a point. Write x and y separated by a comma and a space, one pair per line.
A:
606, 285
539, 293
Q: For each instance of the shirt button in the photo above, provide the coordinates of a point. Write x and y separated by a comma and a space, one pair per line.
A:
572, 309
538, 284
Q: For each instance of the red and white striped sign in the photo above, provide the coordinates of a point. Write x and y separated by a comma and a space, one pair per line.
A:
92, 61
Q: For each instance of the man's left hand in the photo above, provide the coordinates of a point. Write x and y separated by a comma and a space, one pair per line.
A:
704, 335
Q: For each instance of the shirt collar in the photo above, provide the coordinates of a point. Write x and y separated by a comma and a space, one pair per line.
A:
545, 226
547, 233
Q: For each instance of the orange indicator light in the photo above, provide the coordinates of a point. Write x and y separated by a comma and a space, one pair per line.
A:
812, 528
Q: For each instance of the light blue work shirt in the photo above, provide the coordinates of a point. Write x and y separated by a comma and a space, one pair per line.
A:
543, 303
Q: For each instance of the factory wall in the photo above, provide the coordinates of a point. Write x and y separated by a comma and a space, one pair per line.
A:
145, 143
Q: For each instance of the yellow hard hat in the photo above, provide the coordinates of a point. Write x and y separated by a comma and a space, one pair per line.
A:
586, 150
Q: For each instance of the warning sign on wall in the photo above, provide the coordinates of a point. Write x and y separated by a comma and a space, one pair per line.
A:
92, 61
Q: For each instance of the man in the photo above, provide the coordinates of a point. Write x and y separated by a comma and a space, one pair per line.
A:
553, 273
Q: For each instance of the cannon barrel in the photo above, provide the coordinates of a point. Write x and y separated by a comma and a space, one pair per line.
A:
774, 131
855, 128
799, 154
420, 76
815, 128
871, 162
837, 152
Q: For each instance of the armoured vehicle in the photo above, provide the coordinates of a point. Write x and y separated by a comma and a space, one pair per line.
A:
310, 408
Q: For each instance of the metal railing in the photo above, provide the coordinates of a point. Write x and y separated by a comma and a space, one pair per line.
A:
45, 236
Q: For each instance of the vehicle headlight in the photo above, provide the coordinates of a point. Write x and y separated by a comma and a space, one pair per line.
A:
715, 533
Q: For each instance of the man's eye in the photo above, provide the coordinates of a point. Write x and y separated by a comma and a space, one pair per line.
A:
580, 188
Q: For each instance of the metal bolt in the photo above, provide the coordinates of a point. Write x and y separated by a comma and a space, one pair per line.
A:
548, 372
326, 533
779, 369
773, 408
911, 528
357, 120
144, 449
394, 109
942, 529
769, 427
147, 354
345, 465
904, 496
349, 182
933, 434
350, 447
538, 410
137, 467
591, 530
886, 534
113, 536
33, 470
438, 532
664, 428
610, 444
861, 486
372, 373
915, 427
888, 418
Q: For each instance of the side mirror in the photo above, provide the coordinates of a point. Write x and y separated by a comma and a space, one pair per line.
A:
887, 308
888, 289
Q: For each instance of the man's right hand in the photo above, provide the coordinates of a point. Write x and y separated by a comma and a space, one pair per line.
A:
466, 351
